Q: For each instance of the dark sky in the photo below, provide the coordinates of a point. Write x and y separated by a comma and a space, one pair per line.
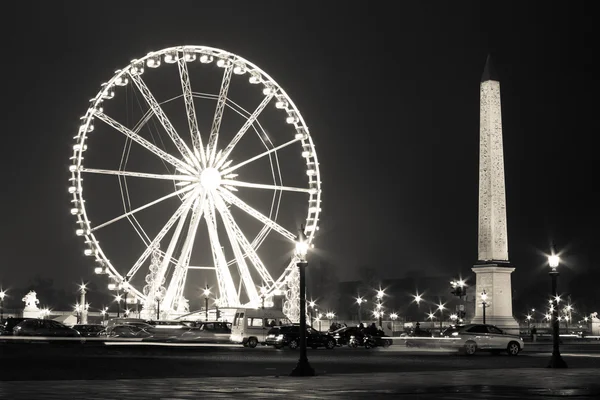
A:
392, 99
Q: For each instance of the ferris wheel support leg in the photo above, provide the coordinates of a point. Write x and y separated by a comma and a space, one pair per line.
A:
239, 256
178, 279
226, 285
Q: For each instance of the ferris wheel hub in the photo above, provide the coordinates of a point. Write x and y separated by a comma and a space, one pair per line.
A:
210, 178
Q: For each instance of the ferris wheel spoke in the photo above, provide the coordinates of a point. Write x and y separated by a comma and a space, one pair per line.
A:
142, 122
266, 153
191, 111
174, 161
185, 151
226, 286
139, 174
127, 214
243, 241
229, 182
233, 199
187, 202
238, 136
239, 255
178, 278
216, 124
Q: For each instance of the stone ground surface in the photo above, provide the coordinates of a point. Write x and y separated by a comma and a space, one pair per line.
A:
540, 383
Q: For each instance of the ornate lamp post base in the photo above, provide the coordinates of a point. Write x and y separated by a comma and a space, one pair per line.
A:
303, 369
556, 361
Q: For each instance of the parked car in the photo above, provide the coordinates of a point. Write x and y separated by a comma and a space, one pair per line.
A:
125, 331
422, 338
342, 336
208, 331
10, 323
43, 327
289, 335
369, 341
475, 337
89, 330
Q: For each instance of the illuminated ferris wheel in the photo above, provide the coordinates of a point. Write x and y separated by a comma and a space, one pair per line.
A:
168, 182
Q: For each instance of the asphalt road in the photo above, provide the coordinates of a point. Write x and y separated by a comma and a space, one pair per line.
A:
74, 361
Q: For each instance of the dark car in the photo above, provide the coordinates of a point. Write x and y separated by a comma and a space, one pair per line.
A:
125, 331
44, 327
208, 331
10, 323
289, 335
342, 336
89, 330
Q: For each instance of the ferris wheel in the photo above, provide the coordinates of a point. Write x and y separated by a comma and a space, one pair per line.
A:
190, 187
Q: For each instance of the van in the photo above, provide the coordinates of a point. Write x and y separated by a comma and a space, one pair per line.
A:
250, 325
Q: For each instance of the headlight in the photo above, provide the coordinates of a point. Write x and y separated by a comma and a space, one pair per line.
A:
454, 333
279, 337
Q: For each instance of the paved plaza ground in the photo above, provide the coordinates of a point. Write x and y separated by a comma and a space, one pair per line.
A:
463, 384
233, 372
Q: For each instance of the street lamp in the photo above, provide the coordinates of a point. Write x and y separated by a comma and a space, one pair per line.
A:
380, 313
303, 368
417, 299
206, 293
484, 303
311, 304
82, 288
263, 294
556, 361
441, 310
2, 296
158, 297
393, 317
118, 299
359, 301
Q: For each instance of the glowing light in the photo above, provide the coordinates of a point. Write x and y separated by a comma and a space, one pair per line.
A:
301, 248
553, 261
393, 316
206, 292
417, 298
210, 178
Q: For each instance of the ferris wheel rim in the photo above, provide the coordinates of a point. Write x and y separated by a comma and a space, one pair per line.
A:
265, 79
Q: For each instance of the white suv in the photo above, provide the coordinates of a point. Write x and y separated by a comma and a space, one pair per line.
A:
474, 337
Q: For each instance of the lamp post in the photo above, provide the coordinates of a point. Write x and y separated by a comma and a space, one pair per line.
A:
2, 295
330, 316
359, 301
104, 312
263, 294
484, 303
303, 368
118, 298
82, 302
206, 293
379, 296
441, 310
556, 361
393, 317
311, 304
158, 297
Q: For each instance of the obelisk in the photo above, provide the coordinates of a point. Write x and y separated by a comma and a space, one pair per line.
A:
493, 269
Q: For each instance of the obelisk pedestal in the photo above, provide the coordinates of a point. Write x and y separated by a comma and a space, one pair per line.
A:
493, 269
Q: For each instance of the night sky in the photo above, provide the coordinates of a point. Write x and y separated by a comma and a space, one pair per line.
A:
391, 96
